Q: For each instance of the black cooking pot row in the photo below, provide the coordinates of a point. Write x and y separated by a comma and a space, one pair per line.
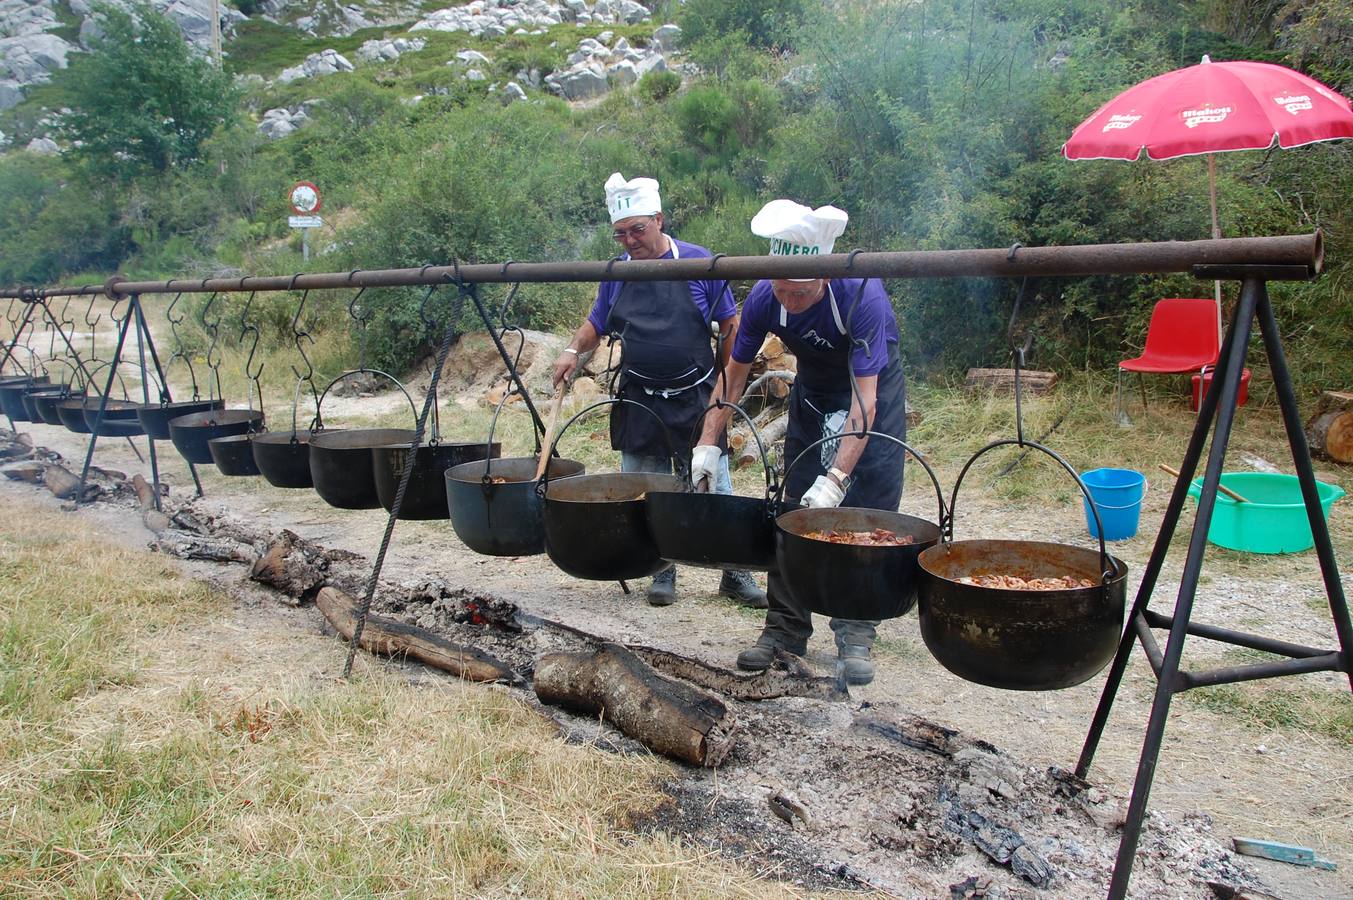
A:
628, 525
348, 469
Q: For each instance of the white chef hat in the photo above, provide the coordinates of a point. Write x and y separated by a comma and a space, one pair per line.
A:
636, 197
796, 230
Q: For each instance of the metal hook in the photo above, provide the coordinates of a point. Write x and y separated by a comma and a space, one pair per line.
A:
298, 336
1015, 347
360, 320
502, 312
247, 327
428, 322
169, 313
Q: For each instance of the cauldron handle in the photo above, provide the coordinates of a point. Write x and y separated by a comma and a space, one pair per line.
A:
683, 472
486, 480
772, 487
1106, 570
318, 424
946, 516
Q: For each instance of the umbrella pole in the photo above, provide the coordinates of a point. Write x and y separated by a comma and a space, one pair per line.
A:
1216, 233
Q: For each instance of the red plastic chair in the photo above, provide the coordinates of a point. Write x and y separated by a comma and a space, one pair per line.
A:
1181, 338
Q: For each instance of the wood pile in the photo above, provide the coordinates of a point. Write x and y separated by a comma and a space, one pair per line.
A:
770, 378
1003, 380
1330, 428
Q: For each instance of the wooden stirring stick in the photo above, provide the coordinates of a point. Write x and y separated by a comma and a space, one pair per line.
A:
1221, 487
549, 429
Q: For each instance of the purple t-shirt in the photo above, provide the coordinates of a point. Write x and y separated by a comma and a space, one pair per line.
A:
874, 322
702, 292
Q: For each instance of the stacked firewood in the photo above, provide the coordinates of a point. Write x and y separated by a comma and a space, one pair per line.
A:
768, 384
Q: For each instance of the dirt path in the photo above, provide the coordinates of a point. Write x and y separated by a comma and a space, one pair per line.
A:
1280, 785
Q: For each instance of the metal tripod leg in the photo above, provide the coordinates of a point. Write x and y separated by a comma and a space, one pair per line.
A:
1168, 674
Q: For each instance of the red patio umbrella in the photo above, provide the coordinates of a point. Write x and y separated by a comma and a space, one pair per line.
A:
1213, 108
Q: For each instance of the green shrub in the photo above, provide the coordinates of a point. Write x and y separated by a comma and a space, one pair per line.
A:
657, 86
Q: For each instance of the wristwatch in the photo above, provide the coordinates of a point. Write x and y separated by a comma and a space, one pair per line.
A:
841, 478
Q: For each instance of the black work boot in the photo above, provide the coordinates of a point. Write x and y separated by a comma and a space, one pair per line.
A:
759, 656
662, 592
855, 663
740, 586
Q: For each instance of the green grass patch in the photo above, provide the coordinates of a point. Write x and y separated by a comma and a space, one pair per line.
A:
266, 48
1327, 713
151, 745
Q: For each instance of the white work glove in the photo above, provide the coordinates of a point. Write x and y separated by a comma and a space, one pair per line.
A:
705, 464
824, 494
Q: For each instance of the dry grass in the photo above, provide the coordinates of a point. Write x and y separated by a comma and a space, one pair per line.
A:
153, 743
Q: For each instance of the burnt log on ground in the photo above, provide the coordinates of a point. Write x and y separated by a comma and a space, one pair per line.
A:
192, 546
387, 637
59, 480
665, 715
292, 565
790, 677
29, 471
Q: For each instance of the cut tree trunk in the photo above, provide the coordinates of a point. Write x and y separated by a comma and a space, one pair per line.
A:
1330, 430
390, 638
666, 716
1031, 381
745, 453
292, 565
63, 484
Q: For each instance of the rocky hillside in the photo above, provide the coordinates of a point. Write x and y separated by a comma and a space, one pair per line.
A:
40, 36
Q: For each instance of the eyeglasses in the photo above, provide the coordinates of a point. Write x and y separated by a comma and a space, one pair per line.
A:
634, 232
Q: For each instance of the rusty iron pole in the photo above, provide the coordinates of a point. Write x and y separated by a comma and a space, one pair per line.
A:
1302, 253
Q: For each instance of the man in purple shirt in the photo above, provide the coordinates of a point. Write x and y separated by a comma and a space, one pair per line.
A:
835, 328
668, 362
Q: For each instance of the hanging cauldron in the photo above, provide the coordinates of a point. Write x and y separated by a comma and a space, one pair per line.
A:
595, 525
1028, 640
849, 580
13, 388
155, 417
716, 531
234, 454
494, 506
41, 401
118, 418
192, 433
341, 467
425, 497
283, 458
340, 464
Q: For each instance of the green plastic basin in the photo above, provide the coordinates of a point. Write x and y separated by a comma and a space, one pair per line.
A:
1273, 521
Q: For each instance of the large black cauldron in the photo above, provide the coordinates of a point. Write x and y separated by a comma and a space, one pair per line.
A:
501, 518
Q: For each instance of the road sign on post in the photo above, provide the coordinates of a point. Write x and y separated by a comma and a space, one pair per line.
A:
305, 202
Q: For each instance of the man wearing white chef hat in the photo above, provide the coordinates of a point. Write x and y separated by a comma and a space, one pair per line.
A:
667, 363
834, 327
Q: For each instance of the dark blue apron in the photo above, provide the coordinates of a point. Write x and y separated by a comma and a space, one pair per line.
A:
667, 365
818, 406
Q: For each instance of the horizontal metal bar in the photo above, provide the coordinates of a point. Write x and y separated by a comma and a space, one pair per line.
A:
1153, 654
1279, 668
1305, 251
1240, 273
1238, 638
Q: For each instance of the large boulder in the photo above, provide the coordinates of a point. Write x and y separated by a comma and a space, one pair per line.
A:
582, 83
667, 37
11, 93
326, 62
43, 147
32, 58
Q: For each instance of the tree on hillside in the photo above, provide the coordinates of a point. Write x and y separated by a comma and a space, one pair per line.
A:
142, 101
